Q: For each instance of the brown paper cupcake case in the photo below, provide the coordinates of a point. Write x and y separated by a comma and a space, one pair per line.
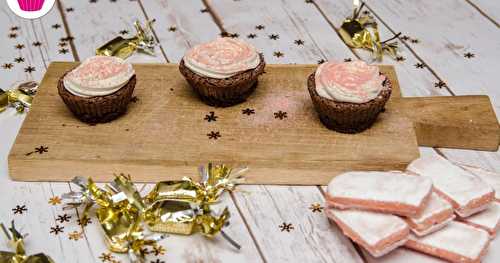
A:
98, 109
223, 92
348, 117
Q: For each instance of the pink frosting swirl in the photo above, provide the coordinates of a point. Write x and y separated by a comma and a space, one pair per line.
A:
355, 82
98, 76
222, 58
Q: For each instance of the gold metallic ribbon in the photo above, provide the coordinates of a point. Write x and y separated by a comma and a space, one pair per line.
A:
143, 41
356, 34
16, 241
20, 97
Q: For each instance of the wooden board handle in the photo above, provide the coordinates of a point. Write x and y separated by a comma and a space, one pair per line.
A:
464, 122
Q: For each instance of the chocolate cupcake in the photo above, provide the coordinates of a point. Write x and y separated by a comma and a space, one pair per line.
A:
99, 89
348, 96
223, 72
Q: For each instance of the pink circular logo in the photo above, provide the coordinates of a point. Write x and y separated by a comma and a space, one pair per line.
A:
30, 9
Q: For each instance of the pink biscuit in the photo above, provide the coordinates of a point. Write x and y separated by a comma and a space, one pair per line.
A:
390, 192
436, 215
488, 219
457, 242
491, 178
378, 233
467, 193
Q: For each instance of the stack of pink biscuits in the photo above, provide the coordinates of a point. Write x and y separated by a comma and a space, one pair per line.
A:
437, 207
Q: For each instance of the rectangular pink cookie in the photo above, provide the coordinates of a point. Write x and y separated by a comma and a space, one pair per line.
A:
457, 242
488, 219
436, 214
491, 178
377, 233
388, 192
467, 193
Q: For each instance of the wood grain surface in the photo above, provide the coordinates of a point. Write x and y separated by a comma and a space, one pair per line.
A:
436, 35
164, 135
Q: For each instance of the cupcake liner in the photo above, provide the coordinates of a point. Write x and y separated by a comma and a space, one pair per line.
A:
223, 92
30, 5
98, 109
348, 117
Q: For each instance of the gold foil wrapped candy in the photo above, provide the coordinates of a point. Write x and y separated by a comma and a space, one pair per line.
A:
119, 212
16, 241
143, 41
183, 206
20, 97
178, 207
356, 34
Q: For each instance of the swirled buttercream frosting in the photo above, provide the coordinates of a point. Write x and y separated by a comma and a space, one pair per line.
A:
98, 76
221, 58
354, 82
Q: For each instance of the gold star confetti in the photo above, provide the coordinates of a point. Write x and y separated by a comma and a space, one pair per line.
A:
316, 207
56, 200
278, 54
286, 227
106, 257
158, 250
75, 235
469, 55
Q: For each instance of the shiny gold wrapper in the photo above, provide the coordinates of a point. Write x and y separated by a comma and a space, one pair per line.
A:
120, 213
178, 207
20, 97
16, 241
143, 41
183, 206
356, 34
4, 100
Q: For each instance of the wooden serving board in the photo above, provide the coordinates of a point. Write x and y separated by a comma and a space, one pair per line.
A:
164, 134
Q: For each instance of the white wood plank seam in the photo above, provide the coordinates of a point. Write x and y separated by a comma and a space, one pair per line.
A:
67, 30
483, 13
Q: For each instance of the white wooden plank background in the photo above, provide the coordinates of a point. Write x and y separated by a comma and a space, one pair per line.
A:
445, 30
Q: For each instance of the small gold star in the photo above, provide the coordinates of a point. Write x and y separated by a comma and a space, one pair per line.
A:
278, 54
56, 200
75, 235
106, 257
299, 42
440, 84
29, 69
7, 65
172, 29
469, 55
158, 250
286, 227
316, 207
400, 58
19, 46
